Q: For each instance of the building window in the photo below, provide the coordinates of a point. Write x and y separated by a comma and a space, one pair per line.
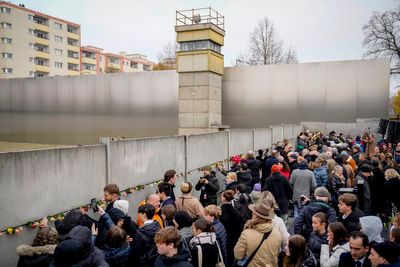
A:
6, 55
31, 60
31, 74
31, 46
38, 74
57, 26
40, 62
58, 39
7, 70
6, 25
58, 65
6, 40
30, 17
58, 52
5, 10
134, 65
31, 31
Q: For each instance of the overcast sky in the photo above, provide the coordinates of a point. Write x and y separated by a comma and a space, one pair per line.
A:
319, 30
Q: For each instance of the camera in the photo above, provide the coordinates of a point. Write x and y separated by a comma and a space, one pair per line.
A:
93, 204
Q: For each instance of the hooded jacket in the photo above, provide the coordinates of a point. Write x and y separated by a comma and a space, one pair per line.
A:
117, 257
372, 226
281, 189
181, 259
30, 256
72, 219
143, 244
267, 254
255, 167
244, 177
305, 216
89, 255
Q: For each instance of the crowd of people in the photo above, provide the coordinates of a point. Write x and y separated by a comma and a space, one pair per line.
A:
340, 192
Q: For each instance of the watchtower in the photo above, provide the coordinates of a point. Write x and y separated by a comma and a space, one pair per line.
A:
200, 64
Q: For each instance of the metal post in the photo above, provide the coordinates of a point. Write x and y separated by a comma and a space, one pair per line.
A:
186, 156
229, 149
254, 140
107, 141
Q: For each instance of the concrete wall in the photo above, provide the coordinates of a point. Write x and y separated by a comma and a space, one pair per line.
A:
340, 91
34, 184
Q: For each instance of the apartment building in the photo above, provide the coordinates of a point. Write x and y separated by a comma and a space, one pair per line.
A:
33, 44
95, 61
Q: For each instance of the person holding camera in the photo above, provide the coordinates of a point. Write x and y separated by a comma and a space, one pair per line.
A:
320, 204
208, 186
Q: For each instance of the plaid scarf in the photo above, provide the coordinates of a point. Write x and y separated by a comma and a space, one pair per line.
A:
203, 238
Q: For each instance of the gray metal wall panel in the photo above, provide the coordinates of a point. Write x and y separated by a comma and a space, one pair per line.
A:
80, 109
283, 94
205, 149
48, 180
241, 141
311, 92
372, 99
341, 91
140, 161
259, 96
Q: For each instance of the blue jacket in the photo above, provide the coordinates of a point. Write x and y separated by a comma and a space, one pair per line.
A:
222, 238
321, 176
117, 257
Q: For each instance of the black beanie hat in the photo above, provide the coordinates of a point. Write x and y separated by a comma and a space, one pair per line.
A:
116, 214
68, 252
183, 219
387, 250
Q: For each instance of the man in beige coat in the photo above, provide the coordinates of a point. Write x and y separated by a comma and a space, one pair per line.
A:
254, 230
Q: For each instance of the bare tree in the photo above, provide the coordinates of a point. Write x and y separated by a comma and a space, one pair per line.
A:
382, 37
168, 51
266, 48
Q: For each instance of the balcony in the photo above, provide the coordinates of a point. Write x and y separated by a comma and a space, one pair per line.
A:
88, 60
42, 54
42, 41
73, 72
88, 72
42, 27
73, 35
114, 66
42, 68
74, 61
74, 48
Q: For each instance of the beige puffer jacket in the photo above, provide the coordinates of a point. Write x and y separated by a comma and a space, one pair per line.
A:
249, 240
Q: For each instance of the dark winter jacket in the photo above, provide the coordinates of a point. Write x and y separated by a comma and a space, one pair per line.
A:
222, 238
89, 255
181, 259
118, 257
305, 216
231, 186
207, 243
233, 223
30, 256
72, 219
352, 221
208, 192
244, 177
315, 241
279, 186
266, 171
143, 245
168, 201
241, 203
377, 185
392, 192
130, 227
321, 176
365, 204
309, 259
255, 167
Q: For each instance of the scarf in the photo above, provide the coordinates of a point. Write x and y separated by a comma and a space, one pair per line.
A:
203, 238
